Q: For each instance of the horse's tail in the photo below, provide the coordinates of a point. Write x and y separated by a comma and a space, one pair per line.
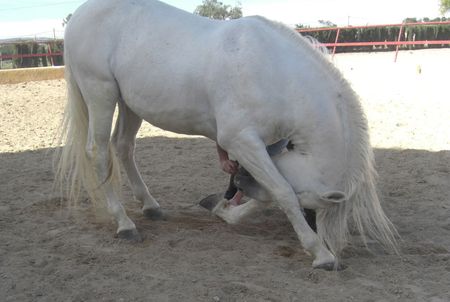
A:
365, 208
73, 167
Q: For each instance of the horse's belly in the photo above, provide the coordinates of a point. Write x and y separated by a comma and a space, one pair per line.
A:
182, 123
179, 115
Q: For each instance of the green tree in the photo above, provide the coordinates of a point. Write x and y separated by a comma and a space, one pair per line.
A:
217, 10
299, 25
411, 20
445, 6
326, 23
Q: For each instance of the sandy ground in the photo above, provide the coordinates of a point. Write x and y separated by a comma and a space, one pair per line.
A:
48, 253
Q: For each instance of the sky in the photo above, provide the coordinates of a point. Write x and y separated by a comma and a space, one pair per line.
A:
43, 18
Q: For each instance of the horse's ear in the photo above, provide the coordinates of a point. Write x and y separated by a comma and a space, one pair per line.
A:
334, 197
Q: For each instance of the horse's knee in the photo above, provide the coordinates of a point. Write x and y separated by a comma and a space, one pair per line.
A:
288, 202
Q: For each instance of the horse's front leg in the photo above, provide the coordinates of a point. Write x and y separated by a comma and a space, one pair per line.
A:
251, 153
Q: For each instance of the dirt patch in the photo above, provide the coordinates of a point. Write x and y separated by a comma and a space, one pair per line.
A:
49, 253
13, 76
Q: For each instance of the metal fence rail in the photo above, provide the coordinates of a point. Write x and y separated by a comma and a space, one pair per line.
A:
396, 43
48, 54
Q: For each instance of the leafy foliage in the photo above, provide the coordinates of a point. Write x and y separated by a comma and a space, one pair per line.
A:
425, 19
299, 25
217, 10
445, 6
326, 23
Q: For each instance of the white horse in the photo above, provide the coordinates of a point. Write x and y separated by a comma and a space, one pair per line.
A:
245, 84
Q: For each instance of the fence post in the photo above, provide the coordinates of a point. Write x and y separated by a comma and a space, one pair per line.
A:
398, 42
336, 40
50, 53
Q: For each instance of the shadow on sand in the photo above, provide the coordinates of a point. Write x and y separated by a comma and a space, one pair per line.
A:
46, 246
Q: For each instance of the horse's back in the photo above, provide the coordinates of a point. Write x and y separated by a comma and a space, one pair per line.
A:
112, 25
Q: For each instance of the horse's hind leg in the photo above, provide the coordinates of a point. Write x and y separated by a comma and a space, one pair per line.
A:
101, 102
124, 139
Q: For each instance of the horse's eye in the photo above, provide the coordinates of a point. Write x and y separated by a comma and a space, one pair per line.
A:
290, 146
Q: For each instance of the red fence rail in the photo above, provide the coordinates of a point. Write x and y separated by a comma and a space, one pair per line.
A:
49, 54
334, 45
396, 43
35, 55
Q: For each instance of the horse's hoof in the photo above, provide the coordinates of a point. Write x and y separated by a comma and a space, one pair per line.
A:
331, 266
155, 214
129, 235
211, 201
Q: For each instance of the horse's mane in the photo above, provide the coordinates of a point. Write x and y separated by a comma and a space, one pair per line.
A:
308, 43
359, 179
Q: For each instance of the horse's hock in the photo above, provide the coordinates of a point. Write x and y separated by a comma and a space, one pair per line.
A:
12, 76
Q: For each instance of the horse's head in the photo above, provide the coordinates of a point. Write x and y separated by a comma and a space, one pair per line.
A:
302, 175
